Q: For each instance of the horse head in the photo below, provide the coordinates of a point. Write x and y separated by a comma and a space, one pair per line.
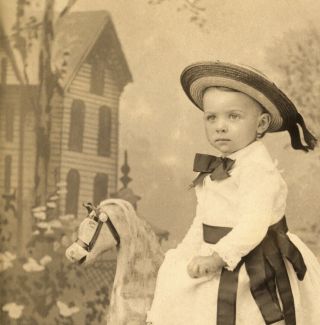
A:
114, 223
96, 234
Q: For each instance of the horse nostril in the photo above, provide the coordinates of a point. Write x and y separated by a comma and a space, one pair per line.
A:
82, 260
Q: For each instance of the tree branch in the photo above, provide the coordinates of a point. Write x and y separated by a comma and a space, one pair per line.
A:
67, 8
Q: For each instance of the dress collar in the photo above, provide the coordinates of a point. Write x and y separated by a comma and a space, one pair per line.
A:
246, 150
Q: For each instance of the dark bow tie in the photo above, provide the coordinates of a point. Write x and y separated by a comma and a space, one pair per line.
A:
217, 167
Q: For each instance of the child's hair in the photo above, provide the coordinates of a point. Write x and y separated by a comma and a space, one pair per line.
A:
263, 110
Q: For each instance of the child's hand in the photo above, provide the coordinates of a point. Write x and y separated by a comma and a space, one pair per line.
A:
204, 265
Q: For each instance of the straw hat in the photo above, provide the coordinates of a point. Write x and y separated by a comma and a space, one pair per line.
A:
196, 78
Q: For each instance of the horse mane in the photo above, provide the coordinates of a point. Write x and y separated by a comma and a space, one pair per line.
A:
139, 259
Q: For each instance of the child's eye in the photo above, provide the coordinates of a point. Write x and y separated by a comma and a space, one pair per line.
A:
210, 117
234, 116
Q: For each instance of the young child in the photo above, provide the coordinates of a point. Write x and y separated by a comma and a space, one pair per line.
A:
238, 264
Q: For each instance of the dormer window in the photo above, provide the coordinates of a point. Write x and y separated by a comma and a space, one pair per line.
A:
76, 125
97, 77
4, 64
104, 131
9, 120
7, 174
73, 186
100, 189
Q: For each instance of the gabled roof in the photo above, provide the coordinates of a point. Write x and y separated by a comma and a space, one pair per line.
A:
75, 36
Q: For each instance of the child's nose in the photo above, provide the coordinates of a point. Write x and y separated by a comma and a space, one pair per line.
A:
221, 125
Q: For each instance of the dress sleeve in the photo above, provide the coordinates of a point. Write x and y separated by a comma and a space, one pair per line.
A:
258, 188
192, 241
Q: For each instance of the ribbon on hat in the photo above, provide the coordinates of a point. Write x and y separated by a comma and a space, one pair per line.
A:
308, 137
217, 167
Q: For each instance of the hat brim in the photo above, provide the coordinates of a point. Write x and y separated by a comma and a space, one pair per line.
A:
196, 78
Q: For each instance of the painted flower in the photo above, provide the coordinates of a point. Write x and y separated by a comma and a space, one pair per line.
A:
39, 209
43, 225
67, 217
45, 260
65, 310
49, 225
62, 192
9, 256
49, 231
51, 205
14, 310
6, 259
55, 223
54, 198
32, 266
41, 215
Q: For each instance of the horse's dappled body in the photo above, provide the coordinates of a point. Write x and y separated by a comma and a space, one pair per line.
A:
138, 261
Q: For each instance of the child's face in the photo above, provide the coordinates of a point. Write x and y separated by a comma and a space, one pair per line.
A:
232, 119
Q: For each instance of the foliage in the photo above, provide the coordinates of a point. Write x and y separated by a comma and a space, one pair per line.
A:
27, 31
43, 287
296, 57
194, 8
5, 236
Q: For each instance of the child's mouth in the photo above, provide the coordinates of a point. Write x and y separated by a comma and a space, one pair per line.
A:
222, 140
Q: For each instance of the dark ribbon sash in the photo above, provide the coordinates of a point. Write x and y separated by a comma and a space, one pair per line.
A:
267, 273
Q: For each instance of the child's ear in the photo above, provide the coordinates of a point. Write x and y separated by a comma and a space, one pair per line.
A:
264, 122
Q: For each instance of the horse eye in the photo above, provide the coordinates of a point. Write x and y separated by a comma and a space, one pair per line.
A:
92, 224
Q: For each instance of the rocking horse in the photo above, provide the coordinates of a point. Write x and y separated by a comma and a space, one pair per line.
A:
114, 223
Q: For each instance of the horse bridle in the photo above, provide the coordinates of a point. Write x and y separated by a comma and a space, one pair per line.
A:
95, 216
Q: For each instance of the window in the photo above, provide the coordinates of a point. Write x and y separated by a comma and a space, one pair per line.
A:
73, 185
9, 118
100, 190
97, 77
104, 136
4, 64
76, 125
7, 174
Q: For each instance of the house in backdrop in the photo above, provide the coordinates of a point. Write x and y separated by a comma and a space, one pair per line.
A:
85, 119
84, 126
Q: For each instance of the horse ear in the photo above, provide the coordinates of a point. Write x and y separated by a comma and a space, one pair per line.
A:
89, 206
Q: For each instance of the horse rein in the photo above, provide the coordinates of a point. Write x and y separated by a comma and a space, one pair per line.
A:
108, 222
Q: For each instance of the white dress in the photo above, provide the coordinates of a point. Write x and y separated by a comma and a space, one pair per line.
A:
249, 201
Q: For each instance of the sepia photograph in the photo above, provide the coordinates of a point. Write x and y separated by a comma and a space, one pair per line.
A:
159, 162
